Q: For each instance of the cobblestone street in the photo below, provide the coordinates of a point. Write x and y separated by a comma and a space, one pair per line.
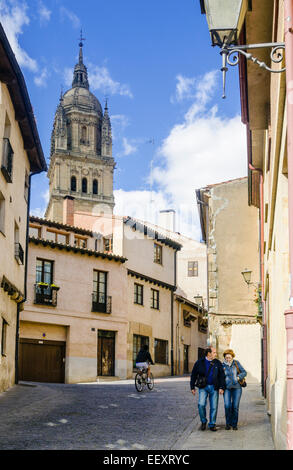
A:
113, 416
95, 416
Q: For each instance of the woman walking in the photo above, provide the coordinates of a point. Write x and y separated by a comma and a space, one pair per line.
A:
234, 372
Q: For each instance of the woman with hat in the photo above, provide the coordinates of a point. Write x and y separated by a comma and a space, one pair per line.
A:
234, 373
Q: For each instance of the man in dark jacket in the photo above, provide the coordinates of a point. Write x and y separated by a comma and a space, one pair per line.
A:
143, 359
211, 370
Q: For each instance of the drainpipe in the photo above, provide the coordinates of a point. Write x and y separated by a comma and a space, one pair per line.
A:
261, 250
25, 279
288, 28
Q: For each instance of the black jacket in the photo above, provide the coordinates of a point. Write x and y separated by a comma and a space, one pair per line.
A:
218, 373
144, 356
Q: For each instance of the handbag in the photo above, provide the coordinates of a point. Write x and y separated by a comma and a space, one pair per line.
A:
242, 382
201, 380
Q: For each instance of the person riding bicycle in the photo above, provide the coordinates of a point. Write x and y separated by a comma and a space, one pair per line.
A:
144, 359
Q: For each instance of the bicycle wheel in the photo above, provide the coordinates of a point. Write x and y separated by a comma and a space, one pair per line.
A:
151, 383
138, 382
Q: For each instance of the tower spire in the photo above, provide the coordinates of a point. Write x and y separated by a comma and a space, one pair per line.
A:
80, 78
81, 39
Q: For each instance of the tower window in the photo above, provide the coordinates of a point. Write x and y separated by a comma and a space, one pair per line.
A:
95, 187
83, 138
73, 183
84, 185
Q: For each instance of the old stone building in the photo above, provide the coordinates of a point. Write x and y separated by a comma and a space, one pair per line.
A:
81, 163
232, 246
21, 157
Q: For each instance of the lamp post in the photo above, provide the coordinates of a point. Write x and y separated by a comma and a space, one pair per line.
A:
225, 19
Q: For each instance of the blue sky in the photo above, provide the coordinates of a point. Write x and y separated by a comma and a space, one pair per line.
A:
154, 61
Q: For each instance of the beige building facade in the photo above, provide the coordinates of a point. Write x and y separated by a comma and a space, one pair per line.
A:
232, 246
264, 113
89, 312
21, 157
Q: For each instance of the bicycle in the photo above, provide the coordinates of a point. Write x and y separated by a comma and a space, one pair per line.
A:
141, 380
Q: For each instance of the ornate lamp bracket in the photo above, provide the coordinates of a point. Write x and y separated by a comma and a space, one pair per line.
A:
231, 56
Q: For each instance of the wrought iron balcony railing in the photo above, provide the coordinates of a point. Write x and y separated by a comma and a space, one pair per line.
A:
18, 253
7, 159
101, 303
45, 295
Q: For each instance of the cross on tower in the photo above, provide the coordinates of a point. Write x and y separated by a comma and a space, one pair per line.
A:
81, 39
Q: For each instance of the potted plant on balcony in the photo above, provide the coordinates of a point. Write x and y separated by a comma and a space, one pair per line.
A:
54, 287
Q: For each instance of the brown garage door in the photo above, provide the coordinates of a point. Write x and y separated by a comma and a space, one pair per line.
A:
41, 361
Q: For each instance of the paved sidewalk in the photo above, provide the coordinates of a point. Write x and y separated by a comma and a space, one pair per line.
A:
254, 428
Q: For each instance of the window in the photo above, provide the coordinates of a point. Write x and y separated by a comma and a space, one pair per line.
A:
81, 242
84, 133
4, 337
44, 271
7, 152
192, 268
155, 299
138, 294
58, 237
84, 185
161, 351
108, 244
95, 187
138, 342
18, 251
45, 292
34, 231
157, 253
100, 291
26, 186
73, 183
2, 213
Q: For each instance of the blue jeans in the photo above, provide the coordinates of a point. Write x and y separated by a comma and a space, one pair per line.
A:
231, 401
213, 395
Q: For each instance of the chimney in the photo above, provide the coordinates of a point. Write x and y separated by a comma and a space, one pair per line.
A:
68, 210
167, 219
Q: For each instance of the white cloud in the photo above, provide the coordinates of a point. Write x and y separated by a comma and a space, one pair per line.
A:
128, 148
44, 12
13, 16
73, 18
100, 79
205, 148
184, 88
41, 80
143, 205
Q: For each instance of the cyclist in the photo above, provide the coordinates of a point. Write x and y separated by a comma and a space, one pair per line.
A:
144, 359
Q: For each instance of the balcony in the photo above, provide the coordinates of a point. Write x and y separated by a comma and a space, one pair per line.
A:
7, 158
45, 295
101, 303
18, 253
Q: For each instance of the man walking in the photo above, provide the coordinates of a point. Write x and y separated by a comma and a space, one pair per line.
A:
208, 375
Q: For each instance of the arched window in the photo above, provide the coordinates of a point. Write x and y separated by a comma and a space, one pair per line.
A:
95, 187
73, 183
83, 138
84, 185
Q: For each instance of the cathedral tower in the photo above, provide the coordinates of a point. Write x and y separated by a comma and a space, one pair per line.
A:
81, 163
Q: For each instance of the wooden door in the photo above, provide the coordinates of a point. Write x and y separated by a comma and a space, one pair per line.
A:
42, 361
106, 353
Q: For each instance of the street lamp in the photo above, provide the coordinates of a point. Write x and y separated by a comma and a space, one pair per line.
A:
225, 19
198, 299
247, 276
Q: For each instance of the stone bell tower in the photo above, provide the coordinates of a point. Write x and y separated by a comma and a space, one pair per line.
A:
81, 163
